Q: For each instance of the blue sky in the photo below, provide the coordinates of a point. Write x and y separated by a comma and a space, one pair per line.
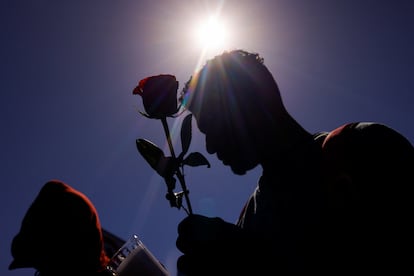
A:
68, 69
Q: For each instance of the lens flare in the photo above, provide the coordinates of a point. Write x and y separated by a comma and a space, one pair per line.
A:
212, 34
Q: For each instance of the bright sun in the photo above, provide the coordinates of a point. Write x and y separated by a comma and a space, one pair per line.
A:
212, 34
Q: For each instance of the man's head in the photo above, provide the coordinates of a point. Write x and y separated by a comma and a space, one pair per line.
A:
235, 100
60, 233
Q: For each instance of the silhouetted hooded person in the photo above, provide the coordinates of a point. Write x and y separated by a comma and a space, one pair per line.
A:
60, 234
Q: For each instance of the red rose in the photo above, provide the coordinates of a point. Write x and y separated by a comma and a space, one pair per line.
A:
159, 95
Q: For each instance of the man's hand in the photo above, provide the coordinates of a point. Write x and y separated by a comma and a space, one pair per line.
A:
209, 245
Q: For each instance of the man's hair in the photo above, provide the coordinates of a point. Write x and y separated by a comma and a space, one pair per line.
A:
234, 79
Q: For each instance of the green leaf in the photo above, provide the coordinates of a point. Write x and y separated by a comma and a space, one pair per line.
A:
186, 134
170, 181
175, 199
164, 166
167, 167
195, 159
171, 197
179, 199
151, 152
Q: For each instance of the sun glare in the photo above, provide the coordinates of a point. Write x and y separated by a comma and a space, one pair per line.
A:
212, 34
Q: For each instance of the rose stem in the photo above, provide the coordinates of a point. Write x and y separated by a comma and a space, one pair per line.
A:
179, 174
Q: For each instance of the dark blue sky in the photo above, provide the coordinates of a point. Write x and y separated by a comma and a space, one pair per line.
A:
67, 111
